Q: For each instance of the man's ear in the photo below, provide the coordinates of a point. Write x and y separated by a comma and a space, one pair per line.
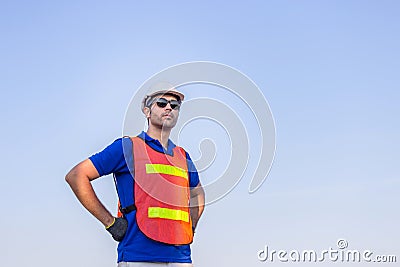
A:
147, 112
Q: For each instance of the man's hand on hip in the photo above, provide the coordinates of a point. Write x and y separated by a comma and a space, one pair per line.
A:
118, 228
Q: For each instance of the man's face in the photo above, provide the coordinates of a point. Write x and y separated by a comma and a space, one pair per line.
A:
163, 117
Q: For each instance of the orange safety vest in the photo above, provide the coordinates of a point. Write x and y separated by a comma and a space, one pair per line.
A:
162, 194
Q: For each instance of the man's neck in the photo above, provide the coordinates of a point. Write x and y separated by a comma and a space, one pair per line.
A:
162, 135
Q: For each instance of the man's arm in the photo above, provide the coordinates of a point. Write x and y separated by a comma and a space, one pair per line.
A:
79, 178
197, 200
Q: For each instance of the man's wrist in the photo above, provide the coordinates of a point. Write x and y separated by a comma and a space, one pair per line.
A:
109, 222
118, 228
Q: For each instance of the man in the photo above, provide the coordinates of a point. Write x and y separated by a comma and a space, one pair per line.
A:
161, 197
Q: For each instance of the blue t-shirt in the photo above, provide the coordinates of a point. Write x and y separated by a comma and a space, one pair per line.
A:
136, 246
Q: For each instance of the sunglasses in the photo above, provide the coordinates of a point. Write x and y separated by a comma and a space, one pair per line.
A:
162, 103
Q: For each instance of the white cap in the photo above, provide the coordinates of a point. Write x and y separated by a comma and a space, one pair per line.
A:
159, 89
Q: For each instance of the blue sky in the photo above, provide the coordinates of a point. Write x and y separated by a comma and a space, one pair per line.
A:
329, 70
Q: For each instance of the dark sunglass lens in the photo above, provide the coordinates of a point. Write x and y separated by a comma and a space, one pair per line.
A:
162, 102
174, 104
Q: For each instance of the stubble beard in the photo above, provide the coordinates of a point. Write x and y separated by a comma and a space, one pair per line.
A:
168, 124
165, 123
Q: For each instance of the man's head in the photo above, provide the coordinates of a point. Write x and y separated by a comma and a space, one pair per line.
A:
159, 89
161, 106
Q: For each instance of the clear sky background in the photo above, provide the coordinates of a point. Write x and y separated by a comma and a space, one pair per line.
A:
329, 70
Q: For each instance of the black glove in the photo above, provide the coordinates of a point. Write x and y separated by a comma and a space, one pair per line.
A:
118, 229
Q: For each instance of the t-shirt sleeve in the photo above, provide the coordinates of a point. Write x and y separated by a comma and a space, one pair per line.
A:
110, 160
193, 174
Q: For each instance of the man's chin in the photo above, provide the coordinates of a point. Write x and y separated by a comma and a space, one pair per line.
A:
168, 125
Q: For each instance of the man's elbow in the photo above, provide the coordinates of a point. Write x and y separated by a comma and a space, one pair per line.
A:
75, 174
70, 178
198, 192
82, 172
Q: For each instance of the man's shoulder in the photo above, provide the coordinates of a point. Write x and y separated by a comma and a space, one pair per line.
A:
119, 145
112, 158
119, 141
175, 146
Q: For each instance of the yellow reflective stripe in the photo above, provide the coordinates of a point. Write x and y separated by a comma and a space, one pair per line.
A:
170, 214
166, 169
